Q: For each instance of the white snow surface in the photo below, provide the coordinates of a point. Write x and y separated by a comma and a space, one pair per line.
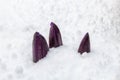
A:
20, 19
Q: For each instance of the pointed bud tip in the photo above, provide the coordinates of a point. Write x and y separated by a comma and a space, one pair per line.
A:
87, 33
36, 33
52, 24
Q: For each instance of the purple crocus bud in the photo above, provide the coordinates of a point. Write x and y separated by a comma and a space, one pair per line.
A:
40, 47
55, 39
85, 44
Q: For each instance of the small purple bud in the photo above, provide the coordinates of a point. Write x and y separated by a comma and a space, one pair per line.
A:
85, 44
40, 47
55, 39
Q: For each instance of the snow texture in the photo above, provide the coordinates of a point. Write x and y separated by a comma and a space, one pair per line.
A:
20, 19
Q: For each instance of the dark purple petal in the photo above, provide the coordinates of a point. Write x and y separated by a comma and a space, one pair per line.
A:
55, 39
40, 47
85, 44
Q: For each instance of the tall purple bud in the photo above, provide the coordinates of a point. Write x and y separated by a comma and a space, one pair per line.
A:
40, 47
85, 44
55, 39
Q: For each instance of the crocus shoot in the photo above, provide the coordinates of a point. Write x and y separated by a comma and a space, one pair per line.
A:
55, 39
85, 44
40, 47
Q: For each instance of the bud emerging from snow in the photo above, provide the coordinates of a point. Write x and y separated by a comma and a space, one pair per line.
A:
40, 47
85, 44
55, 39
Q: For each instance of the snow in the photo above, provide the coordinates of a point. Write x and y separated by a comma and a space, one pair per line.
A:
20, 19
